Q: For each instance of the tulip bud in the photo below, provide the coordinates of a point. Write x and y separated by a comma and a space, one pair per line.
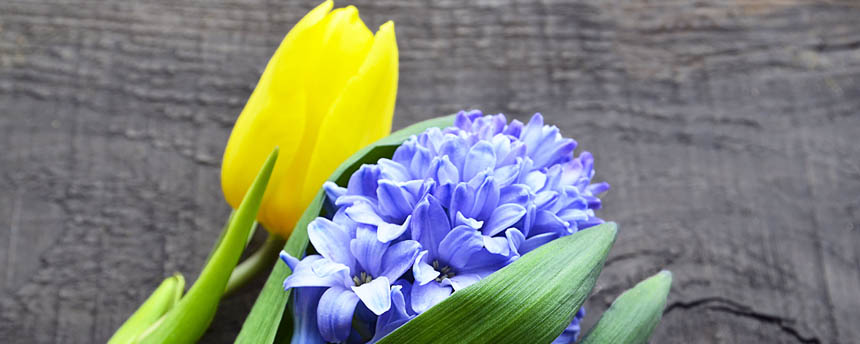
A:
327, 91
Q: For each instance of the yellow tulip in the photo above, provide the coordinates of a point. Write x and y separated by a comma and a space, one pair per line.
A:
327, 91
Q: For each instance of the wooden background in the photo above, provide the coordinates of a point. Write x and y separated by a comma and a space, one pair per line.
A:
729, 131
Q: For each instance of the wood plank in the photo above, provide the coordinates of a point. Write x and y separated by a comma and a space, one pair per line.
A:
728, 130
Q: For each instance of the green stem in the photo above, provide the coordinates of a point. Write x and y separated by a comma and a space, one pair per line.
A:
259, 261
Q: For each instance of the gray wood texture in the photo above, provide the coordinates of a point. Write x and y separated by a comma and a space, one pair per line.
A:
729, 131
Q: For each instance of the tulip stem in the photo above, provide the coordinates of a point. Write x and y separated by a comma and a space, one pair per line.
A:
260, 260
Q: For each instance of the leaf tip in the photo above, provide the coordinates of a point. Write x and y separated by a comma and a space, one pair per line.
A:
606, 231
663, 281
612, 227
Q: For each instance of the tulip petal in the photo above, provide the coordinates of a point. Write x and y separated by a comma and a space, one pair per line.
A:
275, 116
329, 62
360, 115
254, 135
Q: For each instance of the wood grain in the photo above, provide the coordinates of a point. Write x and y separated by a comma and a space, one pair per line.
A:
728, 130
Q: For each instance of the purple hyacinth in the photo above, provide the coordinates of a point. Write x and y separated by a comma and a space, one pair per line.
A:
456, 204
353, 266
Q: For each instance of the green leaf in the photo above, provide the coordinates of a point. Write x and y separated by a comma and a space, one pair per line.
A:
530, 301
633, 315
261, 325
187, 321
159, 302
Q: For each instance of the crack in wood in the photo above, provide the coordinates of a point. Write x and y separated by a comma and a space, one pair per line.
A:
725, 305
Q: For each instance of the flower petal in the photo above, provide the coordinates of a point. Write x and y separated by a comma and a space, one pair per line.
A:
422, 271
399, 258
515, 239
305, 303
461, 281
443, 171
481, 158
375, 295
514, 128
333, 191
394, 201
367, 250
486, 199
497, 245
455, 149
326, 274
506, 175
516, 193
392, 170
275, 115
573, 215
361, 112
459, 245
334, 313
386, 232
545, 199
462, 201
363, 182
502, 218
289, 259
330, 239
462, 220
535, 180
556, 152
597, 188
484, 262
532, 132
394, 318
363, 212
324, 66
428, 295
429, 224
547, 222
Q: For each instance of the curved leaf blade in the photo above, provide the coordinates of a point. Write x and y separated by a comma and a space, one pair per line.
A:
262, 324
187, 321
159, 302
633, 316
530, 301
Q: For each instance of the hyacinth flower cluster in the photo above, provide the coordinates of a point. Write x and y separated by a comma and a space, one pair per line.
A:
449, 208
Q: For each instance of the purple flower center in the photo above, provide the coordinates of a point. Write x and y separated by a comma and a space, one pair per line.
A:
445, 271
362, 278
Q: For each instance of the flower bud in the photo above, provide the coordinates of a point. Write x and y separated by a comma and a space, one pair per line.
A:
327, 91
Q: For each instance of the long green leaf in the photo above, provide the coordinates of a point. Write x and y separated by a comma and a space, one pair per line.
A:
187, 321
530, 301
633, 316
261, 325
159, 302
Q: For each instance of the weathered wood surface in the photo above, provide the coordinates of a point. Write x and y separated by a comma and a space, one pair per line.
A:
729, 131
